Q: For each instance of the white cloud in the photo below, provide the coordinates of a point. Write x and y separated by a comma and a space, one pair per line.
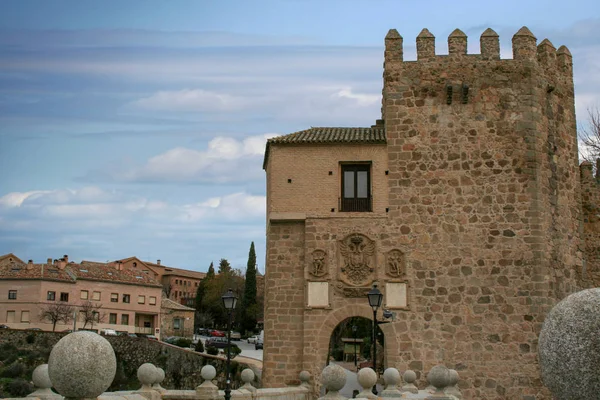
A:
193, 100
16, 199
224, 160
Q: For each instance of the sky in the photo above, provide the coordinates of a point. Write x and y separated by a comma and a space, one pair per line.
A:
138, 127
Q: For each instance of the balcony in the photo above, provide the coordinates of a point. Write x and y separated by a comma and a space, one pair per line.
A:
353, 204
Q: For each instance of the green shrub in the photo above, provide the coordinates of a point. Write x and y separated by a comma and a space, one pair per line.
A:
212, 350
234, 351
183, 342
199, 347
13, 371
30, 338
337, 353
18, 388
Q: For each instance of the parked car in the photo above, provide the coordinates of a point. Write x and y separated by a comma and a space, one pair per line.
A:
67, 330
236, 335
132, 334
216, 333
33, 329
253, 339
151, 337
203, 332
108, 332
258, 345
4, 326
218, 342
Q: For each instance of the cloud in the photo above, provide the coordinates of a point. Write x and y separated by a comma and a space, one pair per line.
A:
224, 160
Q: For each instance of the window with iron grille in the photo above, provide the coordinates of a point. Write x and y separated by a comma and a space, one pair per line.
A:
12, 294
356, 188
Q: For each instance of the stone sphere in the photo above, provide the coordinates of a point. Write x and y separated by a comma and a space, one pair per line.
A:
453, 377
410, 376
247, 375
569, 347
40, 377
333, 377
208, 372
391, 376
438, 377
82, 364
304, 376
367, 377
160, 375
147, 374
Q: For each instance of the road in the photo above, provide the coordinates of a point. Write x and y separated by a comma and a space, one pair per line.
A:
248, 349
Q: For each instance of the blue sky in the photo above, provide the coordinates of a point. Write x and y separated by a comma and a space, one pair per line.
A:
138, 127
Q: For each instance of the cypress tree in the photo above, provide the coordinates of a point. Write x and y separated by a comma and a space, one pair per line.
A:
249, 306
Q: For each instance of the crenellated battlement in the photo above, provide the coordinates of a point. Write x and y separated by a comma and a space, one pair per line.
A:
524, 46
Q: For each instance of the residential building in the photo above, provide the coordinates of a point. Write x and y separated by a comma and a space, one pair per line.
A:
119, 299
176, 319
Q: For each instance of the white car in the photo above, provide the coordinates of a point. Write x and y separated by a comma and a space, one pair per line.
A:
253, 339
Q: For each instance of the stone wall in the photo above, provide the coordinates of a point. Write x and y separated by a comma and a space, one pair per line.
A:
181, 366
590, 199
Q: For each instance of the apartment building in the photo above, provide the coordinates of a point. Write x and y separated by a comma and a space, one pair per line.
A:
121, 299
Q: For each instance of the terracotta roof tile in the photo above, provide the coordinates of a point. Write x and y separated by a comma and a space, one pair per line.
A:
34, 271
168, 303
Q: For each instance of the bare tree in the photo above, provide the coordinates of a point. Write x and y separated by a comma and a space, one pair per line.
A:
589, 135
92, 313
56, 312
167, 289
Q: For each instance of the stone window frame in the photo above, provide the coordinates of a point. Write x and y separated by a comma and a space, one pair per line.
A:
352, 204
51, 295
12, 294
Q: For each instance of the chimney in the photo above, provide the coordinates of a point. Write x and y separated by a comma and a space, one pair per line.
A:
158, 262
66, 257
118, 265
61, 263
49, 261
29, 264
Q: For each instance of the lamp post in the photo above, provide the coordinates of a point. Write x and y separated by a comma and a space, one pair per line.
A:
375, 298
354, 328
229, 302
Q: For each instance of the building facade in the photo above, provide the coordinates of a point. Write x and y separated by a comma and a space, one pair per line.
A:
463, 203
87, 296
177, 319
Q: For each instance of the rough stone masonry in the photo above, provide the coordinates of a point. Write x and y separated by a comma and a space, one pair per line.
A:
470, 218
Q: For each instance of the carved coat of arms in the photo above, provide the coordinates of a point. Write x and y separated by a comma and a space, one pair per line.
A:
358, 260
395, 265
319, 264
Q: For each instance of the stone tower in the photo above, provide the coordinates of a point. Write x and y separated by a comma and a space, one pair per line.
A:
472, 182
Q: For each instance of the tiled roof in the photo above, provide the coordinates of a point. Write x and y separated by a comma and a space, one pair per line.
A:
34, 271
184, 272
94, 271
170, 304
333, 135
9, 258
372, 135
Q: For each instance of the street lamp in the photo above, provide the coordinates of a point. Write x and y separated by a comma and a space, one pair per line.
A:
354, 328
375, 298
229, 302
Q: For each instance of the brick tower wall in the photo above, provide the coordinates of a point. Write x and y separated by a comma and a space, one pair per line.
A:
483, 169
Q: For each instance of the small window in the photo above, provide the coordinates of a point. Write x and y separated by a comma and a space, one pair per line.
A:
134, 264
112, 318
51, 296
64, 296
96, 296
141, 299
126, 298
12, 294
152, 300
124, 319
10, 316
356, 188
96, 316
177, 281
84, 295
24, 316
114, 297
176, 323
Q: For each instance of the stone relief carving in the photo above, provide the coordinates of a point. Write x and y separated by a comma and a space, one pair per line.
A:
358, 259
319, 263
395, 264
